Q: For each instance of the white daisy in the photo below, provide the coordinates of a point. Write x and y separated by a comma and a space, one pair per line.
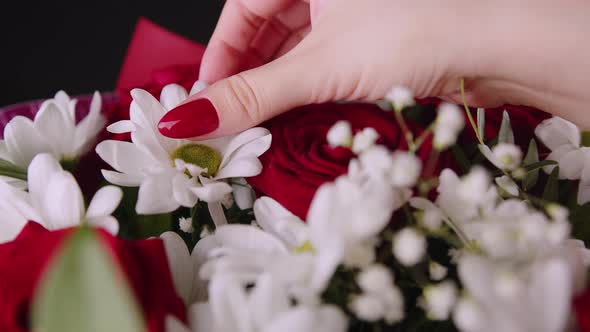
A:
54, 130
54, 200
171, 173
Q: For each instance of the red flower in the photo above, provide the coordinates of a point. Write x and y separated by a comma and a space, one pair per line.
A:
23, 261
582, 310
300, 159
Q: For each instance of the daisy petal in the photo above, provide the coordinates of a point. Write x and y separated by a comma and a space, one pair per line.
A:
124, 157
254, 148
63, 203
242, 139
23, 141
217, 214
57, 127
212, 192
201, 318
180, 263
172, 95
156, 196
108, 223
244, 167
181, 185
120, 127
40, 171
172, 324
104, 202
126, 180
87, 129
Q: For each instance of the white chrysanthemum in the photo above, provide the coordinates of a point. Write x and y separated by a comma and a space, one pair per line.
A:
563, 138
448, 124
54, 130
400, 97
340, 134
409, 246
171, 173
364, 139
55, 201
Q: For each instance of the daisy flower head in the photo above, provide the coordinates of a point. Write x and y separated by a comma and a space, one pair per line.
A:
53, 130
177, 172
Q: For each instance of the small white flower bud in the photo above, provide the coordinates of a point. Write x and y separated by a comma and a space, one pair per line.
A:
448, 124
438, 300
375, 279
405, 170
508, 156
557, 212
186, 224
409, 246
437, 271
400, 97
340, 134
364, 139
431, 219
468, 316
367, 307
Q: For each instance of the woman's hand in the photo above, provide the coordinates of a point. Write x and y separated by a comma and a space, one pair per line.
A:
280, 54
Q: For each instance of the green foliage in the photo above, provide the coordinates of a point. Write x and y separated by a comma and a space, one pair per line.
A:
11, 170
505, 135
84, 291
481, 122
135, 226
580, 220
551, 191
531, 157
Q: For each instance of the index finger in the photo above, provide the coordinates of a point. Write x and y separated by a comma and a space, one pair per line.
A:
229, 49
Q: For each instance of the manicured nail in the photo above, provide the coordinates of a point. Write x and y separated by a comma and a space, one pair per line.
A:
193, 119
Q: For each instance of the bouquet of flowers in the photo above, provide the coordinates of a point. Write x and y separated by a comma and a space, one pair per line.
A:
399, 215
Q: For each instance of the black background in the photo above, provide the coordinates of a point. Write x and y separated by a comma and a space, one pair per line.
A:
78, 46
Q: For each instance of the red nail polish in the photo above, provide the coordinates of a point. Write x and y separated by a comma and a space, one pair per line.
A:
195, 118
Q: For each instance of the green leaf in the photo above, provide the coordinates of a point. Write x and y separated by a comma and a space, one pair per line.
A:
539, 164
84, 291
532, 156
11, 170
505, 135
551, 191
481, 122
580, 220
461, 157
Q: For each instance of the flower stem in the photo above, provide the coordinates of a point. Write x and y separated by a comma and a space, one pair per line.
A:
405, 129
469, 116
420, 140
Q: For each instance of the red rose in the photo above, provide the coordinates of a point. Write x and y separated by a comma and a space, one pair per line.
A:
300, 159
523, 120
582, 310
23, 260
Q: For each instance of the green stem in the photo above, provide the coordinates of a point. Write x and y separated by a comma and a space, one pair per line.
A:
471, 121
420, 140
405, 130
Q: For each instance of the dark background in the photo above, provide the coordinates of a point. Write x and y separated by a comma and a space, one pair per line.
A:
78, 46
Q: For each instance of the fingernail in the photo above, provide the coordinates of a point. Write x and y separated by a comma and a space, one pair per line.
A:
195, 118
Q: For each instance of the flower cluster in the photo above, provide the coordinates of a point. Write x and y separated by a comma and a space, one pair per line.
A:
400, 217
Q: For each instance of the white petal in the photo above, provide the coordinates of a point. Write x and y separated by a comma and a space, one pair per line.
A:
507, 185
15, 212
277, 220
23, 141
104, 202
244, 167
40, 171
556, 132
121, 179
267, 300
4, 151
181, 266
228, 302
198, 87
108, 223
297, 319
245, 237
124, 157
212, 192
89, 127
57, 127
477, 277
201, 318
217, 214
156, 196
557, 155
182, 185
254, 141
120, 127
152, 110
63, 203
244, 196
571, 165
485, 150
172, 95
552, 285
172, 324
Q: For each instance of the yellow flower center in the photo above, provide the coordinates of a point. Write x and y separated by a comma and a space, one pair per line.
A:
199, 155
305, 247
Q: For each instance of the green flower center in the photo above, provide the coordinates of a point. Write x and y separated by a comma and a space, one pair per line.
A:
200, 155
305, 247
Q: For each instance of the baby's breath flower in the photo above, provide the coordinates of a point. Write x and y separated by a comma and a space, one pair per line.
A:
400, 97
508, 156
409, 246
340, 134
364, 139
448, 124
186, 225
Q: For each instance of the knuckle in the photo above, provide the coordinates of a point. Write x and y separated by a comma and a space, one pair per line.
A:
242, 97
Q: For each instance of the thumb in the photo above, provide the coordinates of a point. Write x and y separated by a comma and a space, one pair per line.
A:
243, 100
